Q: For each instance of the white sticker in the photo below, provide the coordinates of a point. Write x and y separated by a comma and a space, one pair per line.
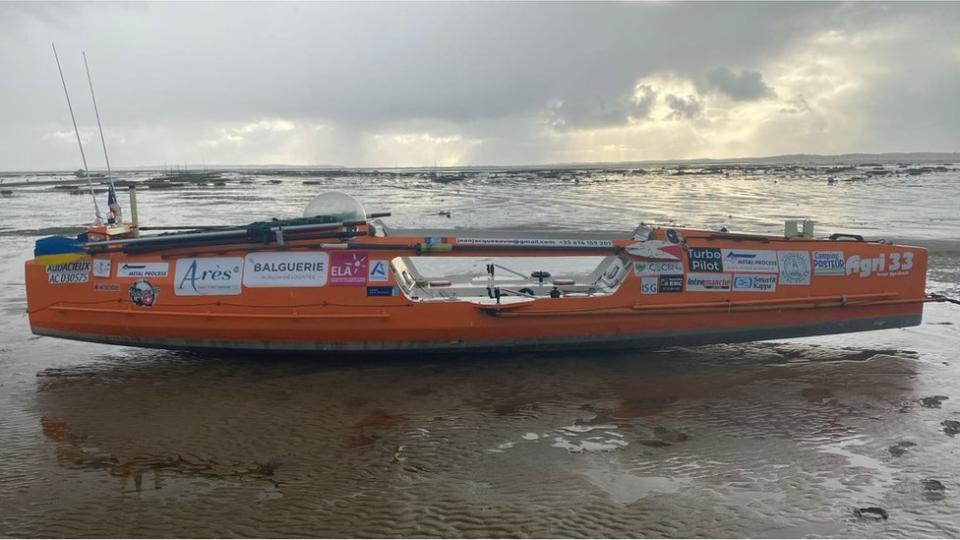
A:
749, 260
829, 263
143, 269
655, 249
708, 282
755, 282
101, 267
378, 271
656, 268
900, 264
69, 273
286, 269
208, 276
648, 285
794, 267
534, 242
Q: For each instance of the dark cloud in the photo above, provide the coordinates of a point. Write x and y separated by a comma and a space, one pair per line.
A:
688, 107
598, 112
743, 86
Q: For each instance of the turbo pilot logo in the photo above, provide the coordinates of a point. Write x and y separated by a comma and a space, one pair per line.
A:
142, 293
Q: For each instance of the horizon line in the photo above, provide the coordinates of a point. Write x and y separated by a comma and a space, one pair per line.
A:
569, 164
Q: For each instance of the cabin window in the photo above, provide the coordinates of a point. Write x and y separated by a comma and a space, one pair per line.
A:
476, 279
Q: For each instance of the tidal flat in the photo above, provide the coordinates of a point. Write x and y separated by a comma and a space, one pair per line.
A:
806, 437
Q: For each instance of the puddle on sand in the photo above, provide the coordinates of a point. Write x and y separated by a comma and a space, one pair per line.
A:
625, 488
495, 447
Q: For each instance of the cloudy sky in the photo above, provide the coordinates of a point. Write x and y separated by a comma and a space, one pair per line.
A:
413, 84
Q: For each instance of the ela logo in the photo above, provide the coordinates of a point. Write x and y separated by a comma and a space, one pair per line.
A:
349, 268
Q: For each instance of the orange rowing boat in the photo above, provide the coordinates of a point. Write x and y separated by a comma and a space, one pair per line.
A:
338, 280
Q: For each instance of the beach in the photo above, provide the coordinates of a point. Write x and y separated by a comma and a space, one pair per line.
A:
773, 439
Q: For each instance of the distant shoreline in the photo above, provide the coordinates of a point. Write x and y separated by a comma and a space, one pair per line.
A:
811, 159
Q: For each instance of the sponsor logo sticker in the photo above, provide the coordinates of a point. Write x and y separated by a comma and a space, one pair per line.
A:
286, 269
705, 260
379, 271
794, 267
381, 291
755, 282
143, 269
649, 284
101, 268
898, 264
210, 276
709, 282
142, 293
349, 268
749, 260
69, 273
829, 263
655, 249
673, 283
656, 268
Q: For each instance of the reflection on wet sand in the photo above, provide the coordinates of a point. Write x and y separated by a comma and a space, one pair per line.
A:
704, 441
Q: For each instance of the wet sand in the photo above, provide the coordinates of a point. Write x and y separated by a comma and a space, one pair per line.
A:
778, 439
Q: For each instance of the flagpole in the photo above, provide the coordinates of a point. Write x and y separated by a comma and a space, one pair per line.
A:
86, 170
103, 141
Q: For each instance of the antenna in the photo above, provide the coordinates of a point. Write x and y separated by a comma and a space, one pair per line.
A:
86, 170
103, 141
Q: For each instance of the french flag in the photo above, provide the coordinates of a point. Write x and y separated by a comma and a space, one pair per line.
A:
115, 213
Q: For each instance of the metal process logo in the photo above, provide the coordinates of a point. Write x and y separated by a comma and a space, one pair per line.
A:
750, 260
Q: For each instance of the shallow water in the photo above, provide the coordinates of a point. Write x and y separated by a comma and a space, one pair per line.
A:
767, 439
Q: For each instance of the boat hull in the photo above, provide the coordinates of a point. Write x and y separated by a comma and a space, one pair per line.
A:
632, 341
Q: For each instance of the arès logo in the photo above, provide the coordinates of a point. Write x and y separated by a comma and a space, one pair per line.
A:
208, 276
194, 275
